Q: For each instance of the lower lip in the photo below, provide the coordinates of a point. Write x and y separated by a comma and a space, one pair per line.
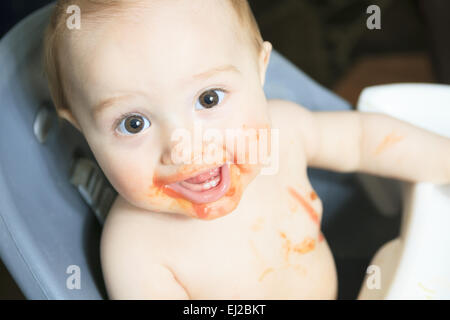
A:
209, 195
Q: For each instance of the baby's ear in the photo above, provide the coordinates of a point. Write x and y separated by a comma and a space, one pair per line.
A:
68, 115
264, 58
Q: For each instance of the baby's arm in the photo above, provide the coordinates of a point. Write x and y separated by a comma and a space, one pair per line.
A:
373, 143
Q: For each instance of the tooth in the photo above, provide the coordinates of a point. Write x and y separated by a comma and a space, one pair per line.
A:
214, 183
207, 186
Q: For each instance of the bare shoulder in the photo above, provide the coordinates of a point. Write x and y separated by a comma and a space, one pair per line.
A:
130, 230
121, 220
280, 106
284, 112
130, 257
297, 123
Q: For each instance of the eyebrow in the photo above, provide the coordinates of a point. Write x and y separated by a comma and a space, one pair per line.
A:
214, 71
110, 102
203, 75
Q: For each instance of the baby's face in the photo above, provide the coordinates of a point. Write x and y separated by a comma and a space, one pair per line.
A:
137, 83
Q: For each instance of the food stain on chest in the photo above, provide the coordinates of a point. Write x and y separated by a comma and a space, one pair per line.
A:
320, 236
258, 224
265, 272
289, 247
307, 245
308, 208
300, 200
270, 269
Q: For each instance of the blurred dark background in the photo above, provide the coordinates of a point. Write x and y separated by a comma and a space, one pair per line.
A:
329, 40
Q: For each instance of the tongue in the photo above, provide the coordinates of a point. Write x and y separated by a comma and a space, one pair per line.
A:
203, 177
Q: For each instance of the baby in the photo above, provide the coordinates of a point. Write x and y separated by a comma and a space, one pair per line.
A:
208, 223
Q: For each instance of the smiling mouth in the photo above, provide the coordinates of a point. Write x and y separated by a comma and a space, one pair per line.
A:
207, 186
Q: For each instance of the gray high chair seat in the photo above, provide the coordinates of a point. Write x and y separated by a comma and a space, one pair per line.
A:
46, 226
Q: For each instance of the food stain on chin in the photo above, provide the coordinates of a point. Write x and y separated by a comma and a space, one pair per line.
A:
206, 211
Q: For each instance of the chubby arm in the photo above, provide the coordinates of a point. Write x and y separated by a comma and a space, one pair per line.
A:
129, 271
373, 143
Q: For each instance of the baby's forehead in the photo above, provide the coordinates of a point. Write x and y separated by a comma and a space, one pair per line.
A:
98, 12
164, 22
153, 45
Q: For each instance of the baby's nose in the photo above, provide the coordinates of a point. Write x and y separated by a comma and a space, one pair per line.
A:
166, 158
176, 139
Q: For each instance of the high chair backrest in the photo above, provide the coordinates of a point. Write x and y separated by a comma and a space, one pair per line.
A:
48, 233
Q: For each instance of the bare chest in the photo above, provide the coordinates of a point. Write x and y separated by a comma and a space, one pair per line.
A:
270, 247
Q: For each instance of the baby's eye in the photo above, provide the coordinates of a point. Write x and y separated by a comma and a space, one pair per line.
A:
133, 124
209, 99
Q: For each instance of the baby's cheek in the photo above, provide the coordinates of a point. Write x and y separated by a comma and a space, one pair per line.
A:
129, 180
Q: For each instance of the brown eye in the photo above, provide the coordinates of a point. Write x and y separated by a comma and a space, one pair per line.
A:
133, 124
209, 99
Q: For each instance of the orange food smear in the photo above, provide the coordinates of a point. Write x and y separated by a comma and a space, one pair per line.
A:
320, 237
267, 271
305, 246
313, 195
231, 191
161, 192
201, 210
390, 140
257, 226
310, 210
287, 246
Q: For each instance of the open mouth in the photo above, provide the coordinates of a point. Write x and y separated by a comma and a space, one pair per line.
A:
207, 186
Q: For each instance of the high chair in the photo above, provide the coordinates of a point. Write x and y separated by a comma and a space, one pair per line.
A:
53, 196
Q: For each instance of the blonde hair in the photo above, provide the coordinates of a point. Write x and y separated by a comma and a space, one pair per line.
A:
57, 26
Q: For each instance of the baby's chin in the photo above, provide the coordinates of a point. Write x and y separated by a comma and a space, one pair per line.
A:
162, 199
